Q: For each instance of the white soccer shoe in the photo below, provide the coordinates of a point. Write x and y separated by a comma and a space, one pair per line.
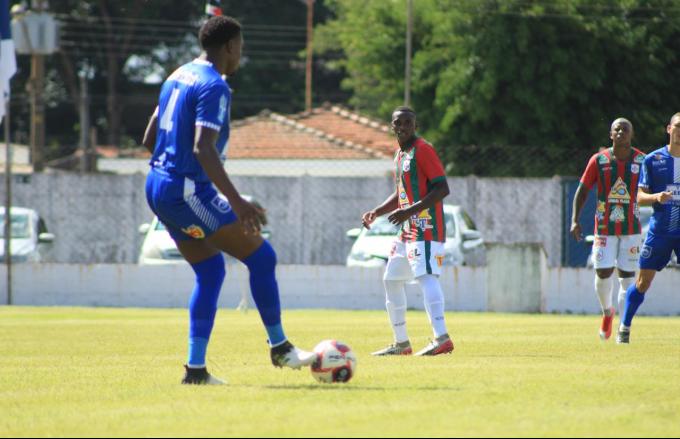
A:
287, 355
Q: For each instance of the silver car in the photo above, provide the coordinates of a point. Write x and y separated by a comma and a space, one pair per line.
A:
30, 240
464, 244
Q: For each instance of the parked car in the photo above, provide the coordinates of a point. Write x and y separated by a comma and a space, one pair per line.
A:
464, 244
30, 241
159, 248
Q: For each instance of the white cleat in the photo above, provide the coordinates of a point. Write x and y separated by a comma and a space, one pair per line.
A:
287, 355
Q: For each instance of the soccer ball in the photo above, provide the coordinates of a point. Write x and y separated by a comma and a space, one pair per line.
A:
335, 362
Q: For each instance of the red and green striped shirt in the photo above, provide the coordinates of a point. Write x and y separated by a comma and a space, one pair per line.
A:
617, 185
417, 170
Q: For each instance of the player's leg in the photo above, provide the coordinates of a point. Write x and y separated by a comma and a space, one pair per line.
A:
426, 260
209, 268
605, 249
397, 273
260, 258
627, 263
169, 198
655, 254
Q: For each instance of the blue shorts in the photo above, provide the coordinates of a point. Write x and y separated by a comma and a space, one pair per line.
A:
188, 209
657, 251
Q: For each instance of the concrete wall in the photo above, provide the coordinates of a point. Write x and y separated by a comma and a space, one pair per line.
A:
465, 288
95, 217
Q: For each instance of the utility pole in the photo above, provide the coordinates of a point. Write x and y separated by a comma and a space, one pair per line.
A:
310, 49
7, 233
409, 48
36, 87
88, 161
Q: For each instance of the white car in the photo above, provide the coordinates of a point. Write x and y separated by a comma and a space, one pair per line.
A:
159, 248
464, 244
30, 241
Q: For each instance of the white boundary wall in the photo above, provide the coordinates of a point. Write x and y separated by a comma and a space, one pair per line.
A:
563, 290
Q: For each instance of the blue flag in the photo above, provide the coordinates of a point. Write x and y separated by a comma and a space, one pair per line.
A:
8, 61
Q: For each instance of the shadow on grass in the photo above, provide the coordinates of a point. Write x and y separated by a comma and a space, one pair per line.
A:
350, 388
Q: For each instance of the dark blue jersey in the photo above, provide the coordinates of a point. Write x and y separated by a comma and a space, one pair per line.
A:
194, 95
661, 172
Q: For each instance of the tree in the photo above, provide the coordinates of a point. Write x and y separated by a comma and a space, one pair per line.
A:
518, 87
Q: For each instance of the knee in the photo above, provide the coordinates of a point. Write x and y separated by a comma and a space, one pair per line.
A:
643, 285
263, 259
604, 273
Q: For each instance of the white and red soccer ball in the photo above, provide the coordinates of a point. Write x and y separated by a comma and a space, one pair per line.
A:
335, 362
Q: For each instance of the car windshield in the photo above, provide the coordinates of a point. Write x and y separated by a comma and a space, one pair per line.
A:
382, 227
20, 226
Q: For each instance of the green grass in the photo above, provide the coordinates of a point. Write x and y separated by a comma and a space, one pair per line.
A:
115, 372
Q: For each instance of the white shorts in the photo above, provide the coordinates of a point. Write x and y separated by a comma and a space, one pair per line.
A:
616, 251
411, 260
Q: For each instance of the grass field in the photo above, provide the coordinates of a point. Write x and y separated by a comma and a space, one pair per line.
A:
115, 372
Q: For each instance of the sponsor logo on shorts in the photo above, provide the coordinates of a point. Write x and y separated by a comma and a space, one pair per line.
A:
600, 255
600, 241
646, 252
220, 204
414, 254
195, 232
439, 259
634, 251
393, 251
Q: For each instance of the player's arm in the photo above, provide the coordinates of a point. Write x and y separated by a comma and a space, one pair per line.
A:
577, 207
440, 190
644, 198
644, 195
390, 204
149, 140
206, 153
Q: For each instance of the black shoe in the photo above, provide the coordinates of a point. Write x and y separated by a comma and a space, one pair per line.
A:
288, 355
200, 377
623, 337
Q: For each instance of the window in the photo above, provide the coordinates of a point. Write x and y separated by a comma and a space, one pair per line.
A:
20, 225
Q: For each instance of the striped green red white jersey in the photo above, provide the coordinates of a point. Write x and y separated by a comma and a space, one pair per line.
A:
617, 185
418, 168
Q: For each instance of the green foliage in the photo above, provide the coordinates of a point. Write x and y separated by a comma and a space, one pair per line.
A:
517, 87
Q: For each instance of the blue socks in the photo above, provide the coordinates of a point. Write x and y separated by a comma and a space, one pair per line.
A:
265, 290
203, 306
634, 299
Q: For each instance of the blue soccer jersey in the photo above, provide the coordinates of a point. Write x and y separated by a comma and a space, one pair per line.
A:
661, 172
194, 95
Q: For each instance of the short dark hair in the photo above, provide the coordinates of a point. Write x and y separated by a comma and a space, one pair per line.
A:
404, 109
218, 31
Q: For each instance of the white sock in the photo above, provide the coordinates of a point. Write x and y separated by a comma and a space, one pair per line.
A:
434, 303
625, 283
603, 287
396, 308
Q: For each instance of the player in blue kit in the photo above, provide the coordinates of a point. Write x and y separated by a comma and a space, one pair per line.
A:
188, 136
659, 186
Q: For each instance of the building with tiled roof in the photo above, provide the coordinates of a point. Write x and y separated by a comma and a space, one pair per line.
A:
328, 132
329, 140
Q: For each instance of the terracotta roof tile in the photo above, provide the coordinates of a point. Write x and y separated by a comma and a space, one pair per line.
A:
325, 133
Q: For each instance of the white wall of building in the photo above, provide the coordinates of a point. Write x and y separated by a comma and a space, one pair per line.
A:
335, 287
